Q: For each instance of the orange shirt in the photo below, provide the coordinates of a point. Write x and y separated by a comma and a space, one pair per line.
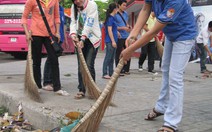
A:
37, 26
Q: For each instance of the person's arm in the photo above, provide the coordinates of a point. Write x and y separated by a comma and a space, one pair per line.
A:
73, 25
57, 20
144, 39
205, 42
92, 18
24, 20
66, 38
146, 28
110, 32
126, 28
141, 21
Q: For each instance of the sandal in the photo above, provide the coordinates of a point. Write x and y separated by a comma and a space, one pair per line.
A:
166, 129
79, 95
48, 88
106, 77
152, 115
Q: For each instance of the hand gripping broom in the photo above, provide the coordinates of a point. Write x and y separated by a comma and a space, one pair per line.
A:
91, 120
31, 88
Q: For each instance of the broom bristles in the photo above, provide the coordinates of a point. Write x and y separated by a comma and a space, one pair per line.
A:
90, 122
90, 85
31, 88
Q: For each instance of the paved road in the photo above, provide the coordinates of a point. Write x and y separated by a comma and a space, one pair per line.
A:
6, 58
134, 96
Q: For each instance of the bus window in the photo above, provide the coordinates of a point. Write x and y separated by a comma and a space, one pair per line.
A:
12, 36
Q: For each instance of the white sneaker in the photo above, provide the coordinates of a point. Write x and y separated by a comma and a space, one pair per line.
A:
153, 72
140, 69
62, 93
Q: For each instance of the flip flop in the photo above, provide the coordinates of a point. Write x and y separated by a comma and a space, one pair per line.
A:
152, 115
106, 77
48, 88
79, 95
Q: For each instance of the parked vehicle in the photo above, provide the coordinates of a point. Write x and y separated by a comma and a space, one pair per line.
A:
12, 35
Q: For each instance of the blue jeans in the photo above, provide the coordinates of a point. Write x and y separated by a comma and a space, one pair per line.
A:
89, 53
175, 58
109, 60
203, 55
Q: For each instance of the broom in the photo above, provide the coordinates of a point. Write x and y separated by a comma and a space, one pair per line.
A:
91, 120
31, 88
90, 85
159, 47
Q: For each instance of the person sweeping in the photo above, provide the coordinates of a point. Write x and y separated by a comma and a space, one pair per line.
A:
177, 21
39, 36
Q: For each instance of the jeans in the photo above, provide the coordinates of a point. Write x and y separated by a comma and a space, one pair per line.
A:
203, 55
47, 74
109, 60
149, 50
175, 58
37, 43
120, 47
89, 53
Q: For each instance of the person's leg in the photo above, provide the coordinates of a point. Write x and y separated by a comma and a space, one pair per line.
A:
89, 53
108, 51
118, 50
203, 55
111, 61
80, 81
151, 56
53, 59
90, 57
179, 59
36, 57
139, 60
127, 66
163, 99
143, 55
47, 75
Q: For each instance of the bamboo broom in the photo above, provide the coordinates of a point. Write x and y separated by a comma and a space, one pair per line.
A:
31, 88
90, 85
90, 122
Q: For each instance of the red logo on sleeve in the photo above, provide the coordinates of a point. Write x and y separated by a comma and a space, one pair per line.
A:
170, 12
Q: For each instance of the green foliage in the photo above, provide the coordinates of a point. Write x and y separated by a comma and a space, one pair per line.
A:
66, 3
102, 7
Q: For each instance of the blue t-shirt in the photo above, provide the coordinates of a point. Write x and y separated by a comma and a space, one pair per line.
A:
111, 22
179, 18
121, 23
62, 23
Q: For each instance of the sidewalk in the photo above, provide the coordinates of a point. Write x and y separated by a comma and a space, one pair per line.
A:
134, 96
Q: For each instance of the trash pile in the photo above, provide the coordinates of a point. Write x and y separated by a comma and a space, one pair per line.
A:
16, 122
